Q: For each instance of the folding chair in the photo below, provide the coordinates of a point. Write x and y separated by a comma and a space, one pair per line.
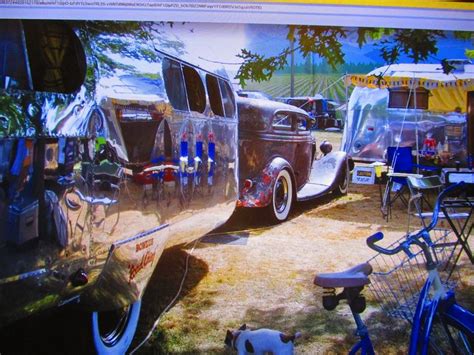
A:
400, 161
420, 187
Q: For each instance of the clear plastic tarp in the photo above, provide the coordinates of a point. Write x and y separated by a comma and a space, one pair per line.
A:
377, 118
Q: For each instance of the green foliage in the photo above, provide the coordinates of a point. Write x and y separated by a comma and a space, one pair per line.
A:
325, 42
465, 35
13, 112
418, 45
469, 53
324, 68
260, 68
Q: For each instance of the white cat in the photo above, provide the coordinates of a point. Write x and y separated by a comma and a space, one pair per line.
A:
259, 341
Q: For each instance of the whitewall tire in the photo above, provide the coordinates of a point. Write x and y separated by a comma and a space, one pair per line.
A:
113, 331
282, 197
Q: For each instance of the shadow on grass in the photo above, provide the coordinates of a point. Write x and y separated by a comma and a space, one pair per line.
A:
57, 331
335, 329
50, 332
347, 208
162, 288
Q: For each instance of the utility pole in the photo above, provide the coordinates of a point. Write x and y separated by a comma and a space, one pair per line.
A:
292, 68
313, 91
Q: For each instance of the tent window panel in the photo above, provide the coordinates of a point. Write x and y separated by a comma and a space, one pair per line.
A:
194, 89
403, 98
213, 91
174, 84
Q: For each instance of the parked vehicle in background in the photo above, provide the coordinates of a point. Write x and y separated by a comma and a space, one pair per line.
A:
277, 163
103, 165
323, 110
254, 94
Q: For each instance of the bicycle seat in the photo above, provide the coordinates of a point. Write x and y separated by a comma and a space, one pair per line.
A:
353, 277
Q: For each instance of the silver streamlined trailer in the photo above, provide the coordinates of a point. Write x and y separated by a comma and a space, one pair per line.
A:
413, 105
111, 150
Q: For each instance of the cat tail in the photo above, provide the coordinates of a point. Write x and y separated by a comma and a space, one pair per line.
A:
287, 338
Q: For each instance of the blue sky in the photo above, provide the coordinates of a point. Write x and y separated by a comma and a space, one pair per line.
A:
270, 39
216, 45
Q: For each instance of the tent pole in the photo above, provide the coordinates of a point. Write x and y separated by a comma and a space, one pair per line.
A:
415, 85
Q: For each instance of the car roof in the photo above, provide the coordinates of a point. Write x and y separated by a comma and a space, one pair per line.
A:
267, 106
307, 98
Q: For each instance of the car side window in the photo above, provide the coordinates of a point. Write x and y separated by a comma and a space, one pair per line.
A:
174, 84
303, 124
283, 121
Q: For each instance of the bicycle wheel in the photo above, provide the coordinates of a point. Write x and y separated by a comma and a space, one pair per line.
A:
440, 325
458, 325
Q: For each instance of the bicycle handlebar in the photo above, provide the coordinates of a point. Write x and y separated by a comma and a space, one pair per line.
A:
415, 237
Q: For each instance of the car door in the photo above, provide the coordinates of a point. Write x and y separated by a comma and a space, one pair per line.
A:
303, 149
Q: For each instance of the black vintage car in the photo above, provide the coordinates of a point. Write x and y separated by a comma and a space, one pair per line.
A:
321, 109
277, 158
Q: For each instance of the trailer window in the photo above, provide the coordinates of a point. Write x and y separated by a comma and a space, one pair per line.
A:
56, 56
174, 84
42, 56
213, 91
227, 98
403, 98
194, 89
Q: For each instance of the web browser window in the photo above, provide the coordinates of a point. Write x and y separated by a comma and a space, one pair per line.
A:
120, 137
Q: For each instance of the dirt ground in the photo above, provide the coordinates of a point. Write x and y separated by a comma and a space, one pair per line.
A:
249, 271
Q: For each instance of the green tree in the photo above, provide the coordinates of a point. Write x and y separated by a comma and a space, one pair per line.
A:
418, 45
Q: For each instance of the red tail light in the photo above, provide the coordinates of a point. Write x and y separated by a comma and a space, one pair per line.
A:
248, 184
267, 179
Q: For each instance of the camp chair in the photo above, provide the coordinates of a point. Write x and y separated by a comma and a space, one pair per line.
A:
400, 160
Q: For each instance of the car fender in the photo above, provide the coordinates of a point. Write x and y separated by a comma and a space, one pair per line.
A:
260, 193
333, 167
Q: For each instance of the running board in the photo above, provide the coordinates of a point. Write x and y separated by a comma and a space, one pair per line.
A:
323, 177
310, 191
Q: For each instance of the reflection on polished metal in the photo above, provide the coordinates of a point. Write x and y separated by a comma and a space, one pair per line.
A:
414, 105
118, 161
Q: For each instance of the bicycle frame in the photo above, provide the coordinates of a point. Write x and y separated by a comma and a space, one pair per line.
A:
364, 344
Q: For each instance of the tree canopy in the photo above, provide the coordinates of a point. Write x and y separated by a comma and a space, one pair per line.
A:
326, 42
